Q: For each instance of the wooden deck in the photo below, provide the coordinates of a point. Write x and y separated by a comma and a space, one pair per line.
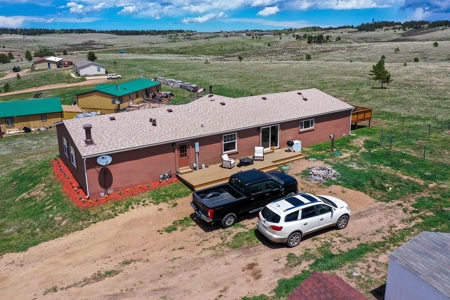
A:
215, 174
361, 114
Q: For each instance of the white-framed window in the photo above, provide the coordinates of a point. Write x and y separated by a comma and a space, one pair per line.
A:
307, 124
65, 147
73, 159
229, 142
98, 69
43, 118
9, 122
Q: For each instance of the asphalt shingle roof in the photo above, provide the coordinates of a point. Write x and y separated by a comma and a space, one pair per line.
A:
427, 256
30, 107
125, 88
321, 286
203, 117
86, 63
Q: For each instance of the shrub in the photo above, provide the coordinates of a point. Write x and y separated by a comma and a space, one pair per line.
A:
404, 64
435, 44
308, 56
396, 50
6, 87
416, 59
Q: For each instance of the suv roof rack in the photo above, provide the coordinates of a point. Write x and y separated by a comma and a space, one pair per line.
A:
296, 202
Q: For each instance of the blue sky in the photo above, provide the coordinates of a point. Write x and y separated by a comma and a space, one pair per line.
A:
213, 15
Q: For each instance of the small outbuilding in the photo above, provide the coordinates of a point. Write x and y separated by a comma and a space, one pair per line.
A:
87, 68
70, 111
420, 269
321, 286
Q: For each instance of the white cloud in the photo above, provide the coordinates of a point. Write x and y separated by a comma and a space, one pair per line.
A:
281, 24
263, 3
338, 4
205, 18
15, 21
268, 11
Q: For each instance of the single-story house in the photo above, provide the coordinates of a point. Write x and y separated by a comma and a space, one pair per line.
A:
325, 286
33, 114
50, 62
145, 143
109, 98
70, 111
420, 269
87, 68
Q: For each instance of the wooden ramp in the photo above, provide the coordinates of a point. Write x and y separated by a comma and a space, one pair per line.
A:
215, 174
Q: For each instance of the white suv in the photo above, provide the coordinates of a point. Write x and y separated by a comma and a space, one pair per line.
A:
114, 76
288, 219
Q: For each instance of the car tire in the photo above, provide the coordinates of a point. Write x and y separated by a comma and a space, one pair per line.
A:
229, 220
294, 239
342, 222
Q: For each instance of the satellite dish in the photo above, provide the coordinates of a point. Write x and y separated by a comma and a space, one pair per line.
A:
117, 102
104, 160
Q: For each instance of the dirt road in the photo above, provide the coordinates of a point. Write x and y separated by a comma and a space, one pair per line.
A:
131, 257
90, 81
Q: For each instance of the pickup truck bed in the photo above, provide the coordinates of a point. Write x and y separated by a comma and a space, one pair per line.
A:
246, 191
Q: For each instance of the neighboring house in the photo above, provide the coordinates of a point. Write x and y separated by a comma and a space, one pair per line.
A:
36, 113
70, 111
145, 143
50, 62
110, 98
87, 68
420, 269
321, 286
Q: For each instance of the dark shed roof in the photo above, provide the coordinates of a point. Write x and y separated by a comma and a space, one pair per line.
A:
321, 286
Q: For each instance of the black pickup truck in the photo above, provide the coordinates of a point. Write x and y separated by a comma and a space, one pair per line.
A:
247, 191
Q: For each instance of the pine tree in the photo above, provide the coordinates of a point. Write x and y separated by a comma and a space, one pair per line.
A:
28, 55
10, 55
91, 56
379, 73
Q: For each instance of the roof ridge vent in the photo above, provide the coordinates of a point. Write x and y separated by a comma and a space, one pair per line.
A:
304, 98
299, 93
264, 98
169, 110
222, 103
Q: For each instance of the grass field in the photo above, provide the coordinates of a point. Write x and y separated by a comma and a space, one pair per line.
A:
33, 206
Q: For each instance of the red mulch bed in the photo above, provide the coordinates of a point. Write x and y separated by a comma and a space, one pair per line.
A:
73, 189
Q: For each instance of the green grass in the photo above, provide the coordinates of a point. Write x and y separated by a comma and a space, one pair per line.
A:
182, 224
243, 239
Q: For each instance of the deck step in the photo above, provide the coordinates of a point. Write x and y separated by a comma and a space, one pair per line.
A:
185, 170
289, 159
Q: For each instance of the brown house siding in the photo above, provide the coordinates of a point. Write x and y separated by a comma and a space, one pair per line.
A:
78, 171
130, 168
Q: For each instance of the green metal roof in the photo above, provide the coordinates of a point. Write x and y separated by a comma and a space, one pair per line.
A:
30, 107
125, 88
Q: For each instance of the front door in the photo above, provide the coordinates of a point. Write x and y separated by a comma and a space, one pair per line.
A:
183, 154
269, 136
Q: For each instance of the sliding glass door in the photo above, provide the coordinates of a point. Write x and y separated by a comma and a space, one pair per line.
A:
269, 136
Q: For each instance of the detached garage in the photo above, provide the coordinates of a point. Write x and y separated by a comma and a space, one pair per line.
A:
420, 269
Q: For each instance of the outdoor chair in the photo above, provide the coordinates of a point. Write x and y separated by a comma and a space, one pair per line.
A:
227, 162
259, 153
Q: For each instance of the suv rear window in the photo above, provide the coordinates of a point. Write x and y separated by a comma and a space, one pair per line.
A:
270, 215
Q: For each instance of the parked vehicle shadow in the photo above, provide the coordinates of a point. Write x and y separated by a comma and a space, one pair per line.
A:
208, 227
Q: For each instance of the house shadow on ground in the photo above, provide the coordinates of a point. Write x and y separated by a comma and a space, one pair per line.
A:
378, 293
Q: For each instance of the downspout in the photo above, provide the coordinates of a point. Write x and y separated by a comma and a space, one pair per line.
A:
86, 176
